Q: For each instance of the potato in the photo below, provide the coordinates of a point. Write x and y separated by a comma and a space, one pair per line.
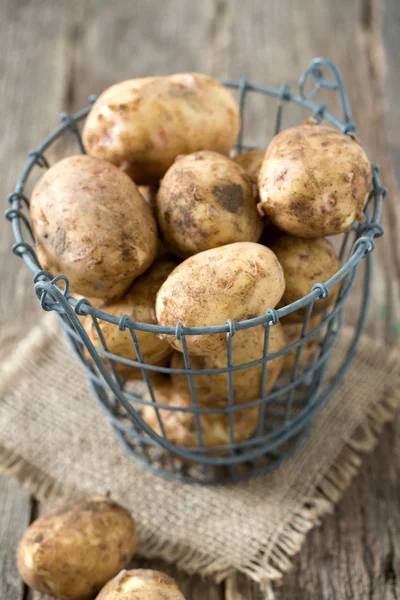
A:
72, 551
306, 262
293, 332
138, 304
314, 181
92, 225
141, 125
149, 193
251, 161
206, 200
212, 390
238, 281
141, 584
180, 427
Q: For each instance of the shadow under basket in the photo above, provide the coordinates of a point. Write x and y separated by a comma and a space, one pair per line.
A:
281, 417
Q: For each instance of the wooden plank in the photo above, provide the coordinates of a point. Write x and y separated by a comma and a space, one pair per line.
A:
392, 47
15, 516
238, 586
355, 554
33, 89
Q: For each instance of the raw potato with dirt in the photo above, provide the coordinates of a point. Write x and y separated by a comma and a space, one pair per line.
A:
293, 332
91, 224
306, 262
206, 200
212, 390
139, 305
73, 551
141, 584
251, 162
314, 181
180, 427
141, 125
238, 281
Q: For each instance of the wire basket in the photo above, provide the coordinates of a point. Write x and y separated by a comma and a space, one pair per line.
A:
285, 414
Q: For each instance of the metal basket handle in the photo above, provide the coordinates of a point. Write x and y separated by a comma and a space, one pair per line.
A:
316, 72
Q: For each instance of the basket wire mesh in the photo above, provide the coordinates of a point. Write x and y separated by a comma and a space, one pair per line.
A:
285, 413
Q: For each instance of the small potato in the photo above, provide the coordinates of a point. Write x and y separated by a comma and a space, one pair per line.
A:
141, 584
238, 281
206, 200
71, 552
180, 427
314, 181
293, 332
306, 262
92, 225
212, 390
149, 193
138, 303
141, 125
251, 161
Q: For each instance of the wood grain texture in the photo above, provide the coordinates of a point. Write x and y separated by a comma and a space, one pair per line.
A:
356, 552
56, 54
15, 516
33, 66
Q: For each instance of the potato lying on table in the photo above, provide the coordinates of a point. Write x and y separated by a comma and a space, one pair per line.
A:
141, 584
206, 200
141, 125
314, 181
71, 552
138, 303
91, 224
212, 390
306, 262
180, 427
293, 332
238, 281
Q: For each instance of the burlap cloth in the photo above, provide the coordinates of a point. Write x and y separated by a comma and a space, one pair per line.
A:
57, 442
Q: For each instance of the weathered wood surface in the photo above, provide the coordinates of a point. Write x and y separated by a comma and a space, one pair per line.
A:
15, 516
55, 53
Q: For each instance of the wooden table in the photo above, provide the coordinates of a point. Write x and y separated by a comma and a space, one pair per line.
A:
54, 54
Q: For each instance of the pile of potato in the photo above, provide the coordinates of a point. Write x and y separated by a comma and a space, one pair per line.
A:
76, 549
205, 238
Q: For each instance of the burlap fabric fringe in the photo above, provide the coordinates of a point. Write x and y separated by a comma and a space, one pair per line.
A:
57, 442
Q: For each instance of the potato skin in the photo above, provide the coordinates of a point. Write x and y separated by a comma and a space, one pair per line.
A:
314, 181
238, 281
72, 551
141, 125
206, 200
212, 390
138, 303
92, 225
251, 161
180, 427
149, 193
141, 584
306, 262
293, 332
